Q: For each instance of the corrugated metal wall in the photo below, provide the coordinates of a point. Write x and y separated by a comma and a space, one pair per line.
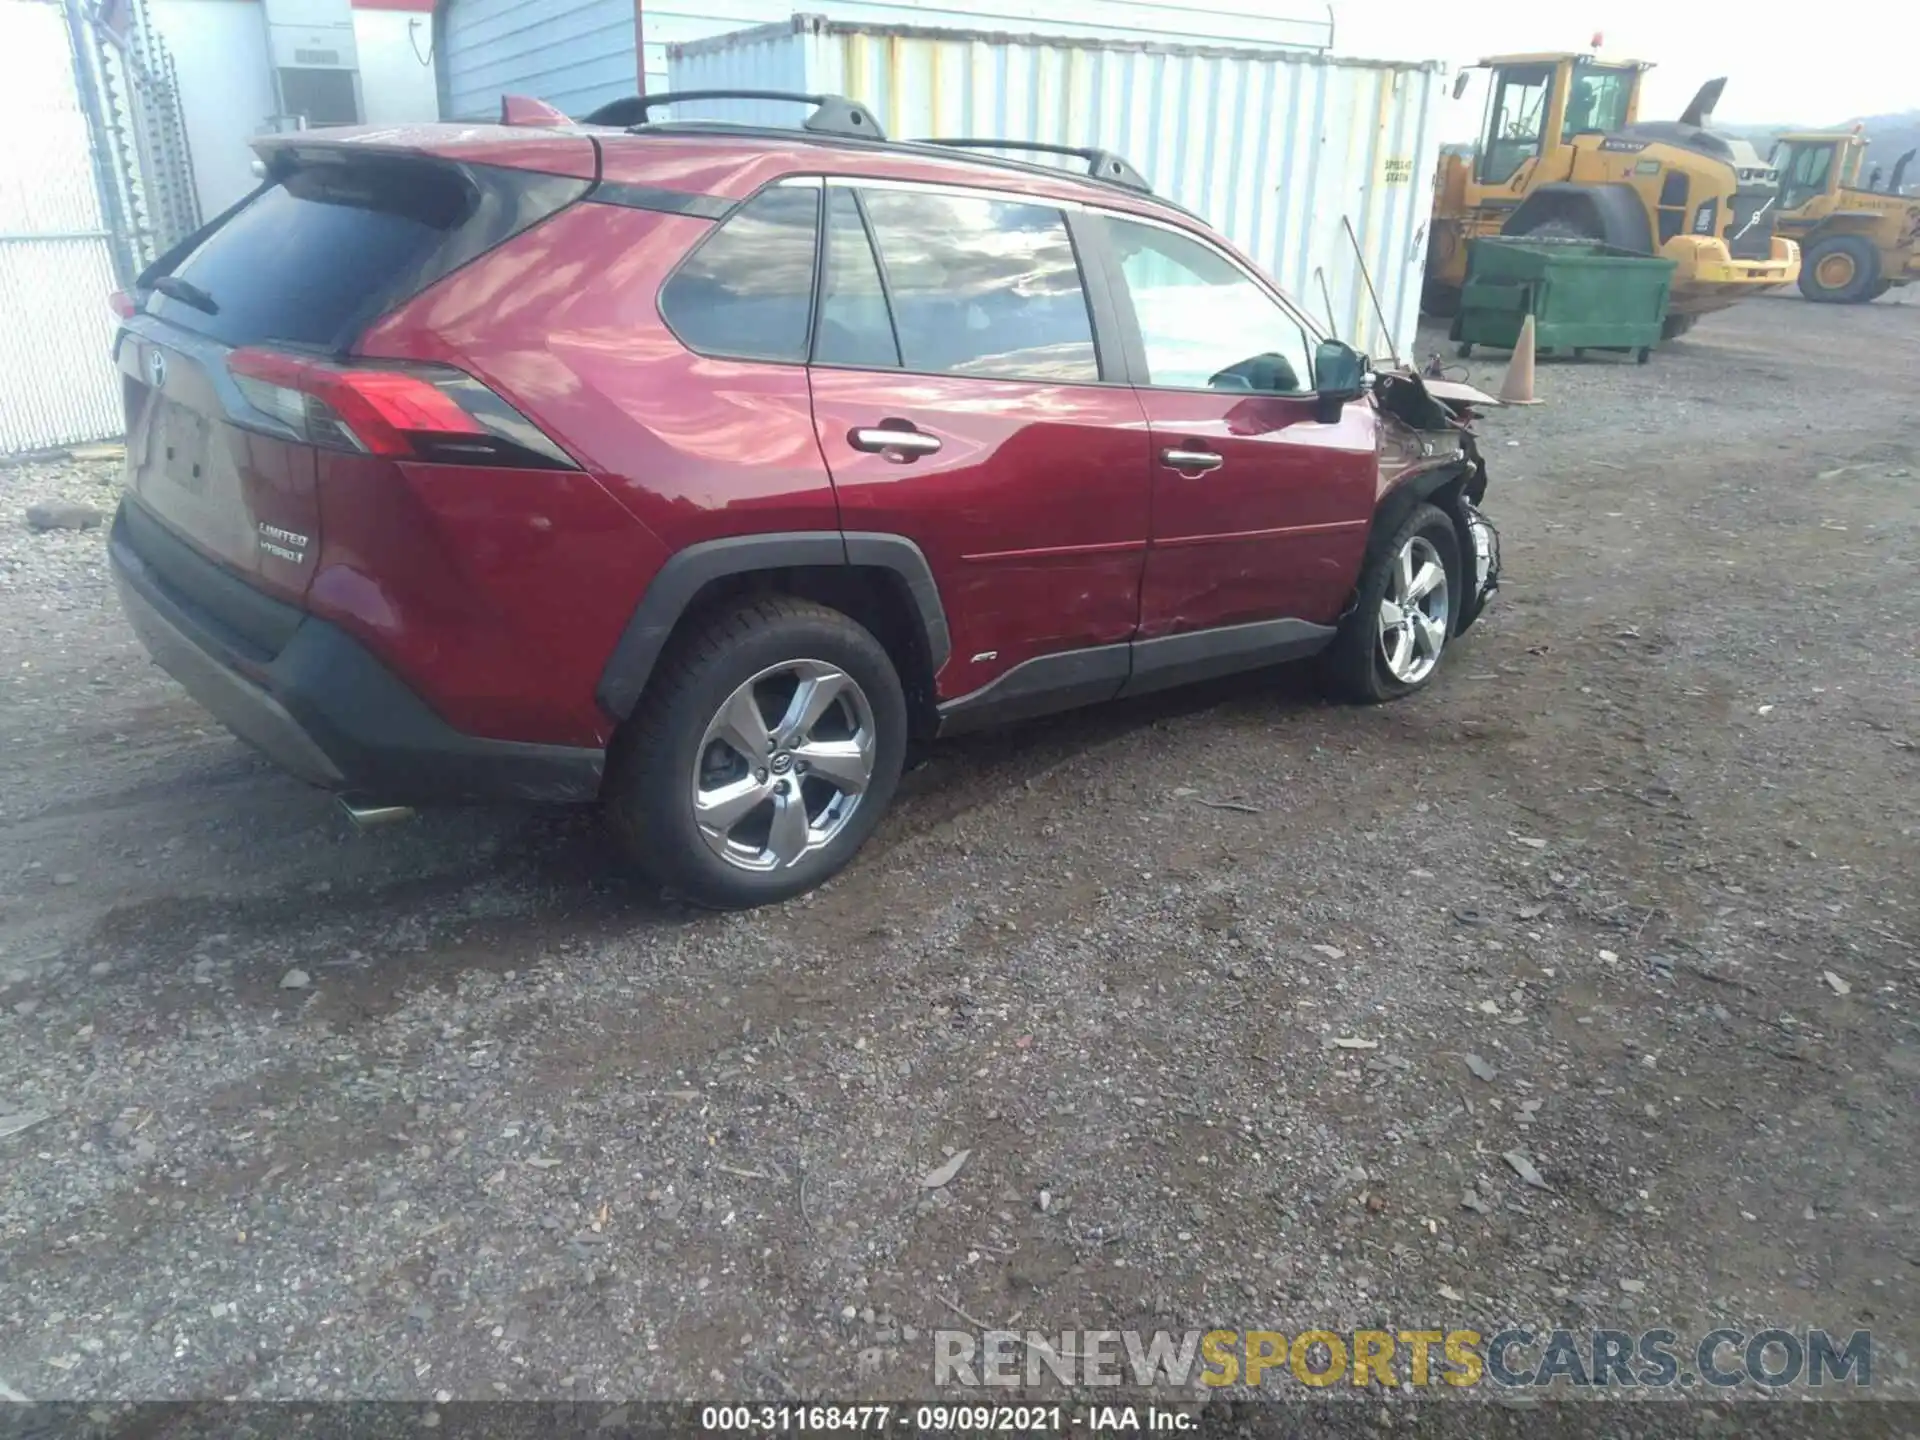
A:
580, 53
1276, 149
57, 382
576, 54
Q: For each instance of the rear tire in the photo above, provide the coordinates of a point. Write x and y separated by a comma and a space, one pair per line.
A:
1557, 229
1840, 270
1440, 301
1393, 640
777, 822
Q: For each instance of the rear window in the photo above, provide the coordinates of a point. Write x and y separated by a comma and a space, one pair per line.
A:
747, 290
314, 256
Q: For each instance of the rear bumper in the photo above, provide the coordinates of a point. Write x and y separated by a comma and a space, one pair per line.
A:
320, 705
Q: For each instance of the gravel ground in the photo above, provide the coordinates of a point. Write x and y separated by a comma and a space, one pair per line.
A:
454, 1109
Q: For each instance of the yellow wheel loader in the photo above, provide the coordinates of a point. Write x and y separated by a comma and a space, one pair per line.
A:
1856, 241
1563, 152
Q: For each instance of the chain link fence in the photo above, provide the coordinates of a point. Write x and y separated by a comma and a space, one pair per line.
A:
142, 128
99, 183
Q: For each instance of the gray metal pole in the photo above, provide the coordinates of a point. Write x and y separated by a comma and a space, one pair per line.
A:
100, 140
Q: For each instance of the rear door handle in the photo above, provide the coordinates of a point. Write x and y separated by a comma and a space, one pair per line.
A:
898, 445
1198, 461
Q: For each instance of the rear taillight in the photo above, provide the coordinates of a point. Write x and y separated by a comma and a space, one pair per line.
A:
122, 304
405, 411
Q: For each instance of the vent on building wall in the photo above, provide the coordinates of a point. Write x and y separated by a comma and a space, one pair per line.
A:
315, 61
320, 97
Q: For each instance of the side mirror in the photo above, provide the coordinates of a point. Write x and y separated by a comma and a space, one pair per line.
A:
1460, 83
1339, 375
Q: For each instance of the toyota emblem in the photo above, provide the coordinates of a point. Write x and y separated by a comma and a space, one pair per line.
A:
157, 368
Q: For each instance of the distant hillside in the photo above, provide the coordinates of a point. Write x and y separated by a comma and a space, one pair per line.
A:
1891, 136
1888, 137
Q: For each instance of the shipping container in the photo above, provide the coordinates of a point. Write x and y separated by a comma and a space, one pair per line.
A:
578, 54
1281, 151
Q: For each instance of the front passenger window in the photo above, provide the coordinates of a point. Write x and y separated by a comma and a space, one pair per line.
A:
1516, 119
1806, 177
1204, 324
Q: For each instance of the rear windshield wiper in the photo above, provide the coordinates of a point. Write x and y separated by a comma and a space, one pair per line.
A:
187, 293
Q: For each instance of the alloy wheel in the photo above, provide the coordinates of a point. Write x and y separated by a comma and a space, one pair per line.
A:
1414, 612
783, 765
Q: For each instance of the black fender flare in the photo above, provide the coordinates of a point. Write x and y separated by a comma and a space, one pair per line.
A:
1614, 212
630, 664
1398, 502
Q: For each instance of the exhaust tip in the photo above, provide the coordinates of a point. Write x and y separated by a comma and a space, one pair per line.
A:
370, 817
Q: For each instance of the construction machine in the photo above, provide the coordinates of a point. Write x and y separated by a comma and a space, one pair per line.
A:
1857, 241
1563, 153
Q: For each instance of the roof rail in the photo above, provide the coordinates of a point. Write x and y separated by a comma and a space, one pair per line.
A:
832, 114
1101, 164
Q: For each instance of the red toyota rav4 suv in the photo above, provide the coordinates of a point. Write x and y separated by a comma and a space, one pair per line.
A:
695, 468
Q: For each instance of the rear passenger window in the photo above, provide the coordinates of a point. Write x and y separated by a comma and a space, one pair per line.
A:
855, 328
983, 287
747, 291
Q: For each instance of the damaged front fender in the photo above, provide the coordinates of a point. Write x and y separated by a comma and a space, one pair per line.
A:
1429, 452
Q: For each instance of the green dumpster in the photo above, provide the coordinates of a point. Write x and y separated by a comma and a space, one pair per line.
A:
1583, 295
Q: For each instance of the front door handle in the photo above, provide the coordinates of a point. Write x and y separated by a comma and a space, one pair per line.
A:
1192, 461
898, 445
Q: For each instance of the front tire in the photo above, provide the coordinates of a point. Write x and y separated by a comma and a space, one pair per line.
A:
1840, 270
1411, 590
762, 756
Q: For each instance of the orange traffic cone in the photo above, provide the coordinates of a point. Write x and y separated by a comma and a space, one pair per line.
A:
1516, 387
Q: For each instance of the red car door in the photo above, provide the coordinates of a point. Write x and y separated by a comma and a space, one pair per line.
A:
1260, 511
959, 402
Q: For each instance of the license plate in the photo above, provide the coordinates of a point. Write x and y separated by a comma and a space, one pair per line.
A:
182, 442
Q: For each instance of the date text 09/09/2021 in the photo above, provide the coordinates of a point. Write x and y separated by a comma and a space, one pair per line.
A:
939, 1419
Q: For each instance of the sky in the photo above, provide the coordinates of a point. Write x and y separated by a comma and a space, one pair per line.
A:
1778, 68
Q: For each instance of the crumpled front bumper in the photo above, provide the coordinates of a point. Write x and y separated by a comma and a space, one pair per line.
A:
1486, 562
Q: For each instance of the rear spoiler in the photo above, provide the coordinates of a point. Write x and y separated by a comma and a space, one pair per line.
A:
556, 145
